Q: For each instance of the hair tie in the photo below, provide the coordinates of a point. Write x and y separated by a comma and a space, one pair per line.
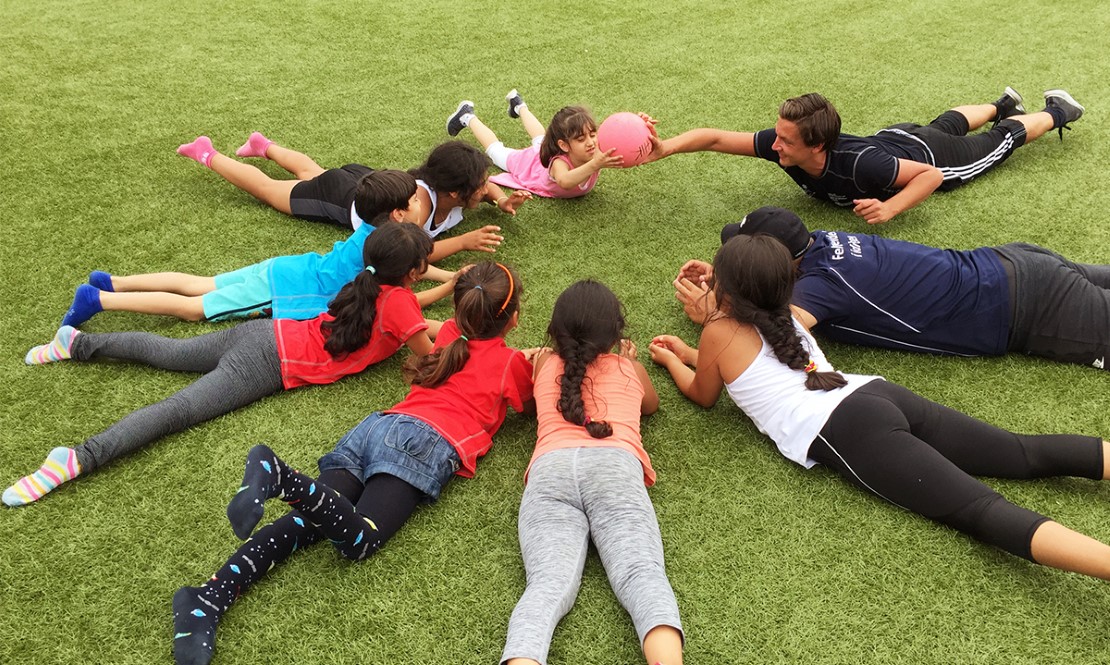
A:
464, 338
479, 287
508, 296
371, 270
811, 367
586, 421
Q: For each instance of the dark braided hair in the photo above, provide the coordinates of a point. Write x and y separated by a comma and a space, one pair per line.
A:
393, 250
754, 278
586, 322
486, 297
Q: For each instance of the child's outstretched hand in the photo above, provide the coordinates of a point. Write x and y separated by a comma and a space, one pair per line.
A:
664, 348
513, 201
485, 239
606, 159
627, 349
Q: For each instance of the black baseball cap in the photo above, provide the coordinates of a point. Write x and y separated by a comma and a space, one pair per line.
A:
778, 223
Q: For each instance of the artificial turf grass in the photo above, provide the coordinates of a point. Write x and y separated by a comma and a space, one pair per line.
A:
771, 564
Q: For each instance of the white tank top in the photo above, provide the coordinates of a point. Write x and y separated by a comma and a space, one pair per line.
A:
776, 399
454, 216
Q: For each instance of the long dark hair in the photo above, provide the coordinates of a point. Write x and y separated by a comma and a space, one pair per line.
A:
454, 166
569, 122
586, 322
754, 277
390, 253
486, 297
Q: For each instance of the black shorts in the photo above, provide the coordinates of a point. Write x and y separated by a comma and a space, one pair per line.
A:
1060, 308
962, 158
329, 196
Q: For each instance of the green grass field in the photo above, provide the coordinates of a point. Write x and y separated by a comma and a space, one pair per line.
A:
771, 564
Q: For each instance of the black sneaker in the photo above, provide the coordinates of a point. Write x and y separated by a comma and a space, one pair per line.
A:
1060, 99
454, 122
1008, 105
514, 100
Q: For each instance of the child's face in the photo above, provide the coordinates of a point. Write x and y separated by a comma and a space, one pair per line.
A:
581, 149
414, 214
477, 196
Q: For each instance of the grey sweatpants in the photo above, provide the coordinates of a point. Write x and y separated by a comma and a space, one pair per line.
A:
573, 495
240, 366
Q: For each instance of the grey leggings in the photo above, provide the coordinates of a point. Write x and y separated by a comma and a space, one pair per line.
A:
240, 366
573, 495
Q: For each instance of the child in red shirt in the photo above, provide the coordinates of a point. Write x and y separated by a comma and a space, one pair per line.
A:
369, 320
381, 470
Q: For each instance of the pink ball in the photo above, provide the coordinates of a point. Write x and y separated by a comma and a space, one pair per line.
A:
628, 134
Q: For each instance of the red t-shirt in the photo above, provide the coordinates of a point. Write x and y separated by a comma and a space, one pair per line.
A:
300, 344
469, 407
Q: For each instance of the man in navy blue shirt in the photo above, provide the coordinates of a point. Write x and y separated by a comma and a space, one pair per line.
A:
897, 168
869, 290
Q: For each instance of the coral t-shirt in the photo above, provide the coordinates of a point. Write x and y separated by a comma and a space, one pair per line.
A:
300, 344
611, 392
468, 408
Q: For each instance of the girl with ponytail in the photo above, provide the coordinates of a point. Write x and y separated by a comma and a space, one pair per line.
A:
587, 480
386, 466
370, 319
879, 436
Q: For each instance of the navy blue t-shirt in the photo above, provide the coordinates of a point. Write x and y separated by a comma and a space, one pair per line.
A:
869, 290
858, 167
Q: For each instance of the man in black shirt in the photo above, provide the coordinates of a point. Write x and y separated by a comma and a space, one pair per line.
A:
897, 168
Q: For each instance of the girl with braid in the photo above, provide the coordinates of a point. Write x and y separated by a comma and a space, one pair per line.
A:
386, 466
587, 481
879, 436
367, 322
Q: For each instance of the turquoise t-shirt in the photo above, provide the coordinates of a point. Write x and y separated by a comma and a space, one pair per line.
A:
304, 284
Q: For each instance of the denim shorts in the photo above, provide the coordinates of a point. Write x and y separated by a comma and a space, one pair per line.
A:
400, 445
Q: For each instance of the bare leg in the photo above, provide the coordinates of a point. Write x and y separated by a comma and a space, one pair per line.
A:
531, 124
188, 308
484, 134
169, 282
299, 164
663, 644
977, 114
1036, 124
1059, 547
274, 193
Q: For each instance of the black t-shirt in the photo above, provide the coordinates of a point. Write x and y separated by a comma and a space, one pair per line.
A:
858, 167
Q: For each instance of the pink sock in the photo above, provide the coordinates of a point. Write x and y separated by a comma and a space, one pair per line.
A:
255, 146
200, 150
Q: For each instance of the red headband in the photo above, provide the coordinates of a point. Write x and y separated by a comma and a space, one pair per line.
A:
510, 294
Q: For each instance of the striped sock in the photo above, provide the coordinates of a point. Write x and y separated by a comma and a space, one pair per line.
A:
60, 466
59, 348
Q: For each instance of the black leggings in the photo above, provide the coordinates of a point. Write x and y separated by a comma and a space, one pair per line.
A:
920, 455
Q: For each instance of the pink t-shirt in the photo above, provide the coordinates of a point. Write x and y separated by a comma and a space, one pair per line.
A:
611, 392
526, 172
300, 344
469, 407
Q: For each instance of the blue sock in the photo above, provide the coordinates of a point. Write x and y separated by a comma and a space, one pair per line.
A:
261, 481
86, 304
194, 627
101, 280
1059, 116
